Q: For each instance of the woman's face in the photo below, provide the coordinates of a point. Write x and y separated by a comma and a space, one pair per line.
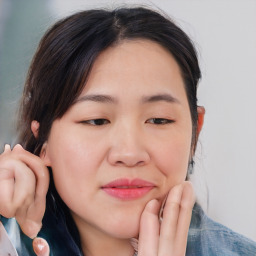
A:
126, 140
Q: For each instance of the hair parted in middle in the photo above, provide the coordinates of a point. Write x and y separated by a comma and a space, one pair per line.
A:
68, 50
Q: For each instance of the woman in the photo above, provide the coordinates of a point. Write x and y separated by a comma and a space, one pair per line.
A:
110, 108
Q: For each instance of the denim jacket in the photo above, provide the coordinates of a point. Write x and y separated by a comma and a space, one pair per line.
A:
205, 237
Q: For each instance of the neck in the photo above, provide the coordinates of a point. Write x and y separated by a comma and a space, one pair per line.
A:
98, 246
94, 242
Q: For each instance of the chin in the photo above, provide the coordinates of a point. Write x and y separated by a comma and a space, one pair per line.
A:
124, 233
125, 227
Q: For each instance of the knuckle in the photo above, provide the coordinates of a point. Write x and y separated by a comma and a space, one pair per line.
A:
8, 162
6, 174
17, 148
4, 160
27, 200
42, 172
8, 211
173, 205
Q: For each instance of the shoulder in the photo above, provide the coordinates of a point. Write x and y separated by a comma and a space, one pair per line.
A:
207, 237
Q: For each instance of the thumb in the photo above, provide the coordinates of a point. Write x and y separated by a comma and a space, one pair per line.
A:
41, 247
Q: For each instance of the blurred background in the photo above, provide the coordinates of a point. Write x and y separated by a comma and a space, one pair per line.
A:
224, 32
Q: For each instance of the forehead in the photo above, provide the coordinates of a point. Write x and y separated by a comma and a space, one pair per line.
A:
139, 66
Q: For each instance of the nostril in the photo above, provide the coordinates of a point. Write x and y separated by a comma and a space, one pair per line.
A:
119, 162
128, 157
130, 163
140, 163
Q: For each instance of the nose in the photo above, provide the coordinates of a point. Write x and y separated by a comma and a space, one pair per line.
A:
128, 149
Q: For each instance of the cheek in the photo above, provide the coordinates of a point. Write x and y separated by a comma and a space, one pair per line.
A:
73, 151
73, 164
172, 160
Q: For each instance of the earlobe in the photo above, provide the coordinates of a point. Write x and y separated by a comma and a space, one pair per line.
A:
44, 155
200, 121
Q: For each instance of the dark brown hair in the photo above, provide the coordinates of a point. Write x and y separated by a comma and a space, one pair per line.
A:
66, 53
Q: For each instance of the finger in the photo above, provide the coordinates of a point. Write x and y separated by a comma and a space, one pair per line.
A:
41, 247
42, 177
7, 148
30, 216
29, 219
160, 216
186, 207
28, 226
6, 194
170, 220
171, 213
29, 192
149, 230
25, 184
17, 186
177, 213
27, 214
37, 166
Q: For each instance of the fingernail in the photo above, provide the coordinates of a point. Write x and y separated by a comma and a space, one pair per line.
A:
40, 246
153, 206
160, 216
7, 147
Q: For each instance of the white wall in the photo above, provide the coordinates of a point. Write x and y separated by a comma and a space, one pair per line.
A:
225, 35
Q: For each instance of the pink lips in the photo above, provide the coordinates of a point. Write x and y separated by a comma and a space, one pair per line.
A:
128, 189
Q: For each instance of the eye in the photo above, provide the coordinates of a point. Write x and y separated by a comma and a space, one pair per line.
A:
96, 122
159, 121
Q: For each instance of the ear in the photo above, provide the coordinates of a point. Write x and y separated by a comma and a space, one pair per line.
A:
35, 128
44, 155
200, 121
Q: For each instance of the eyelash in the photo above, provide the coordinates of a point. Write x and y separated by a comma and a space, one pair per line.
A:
160, 121
96, 122
102, 121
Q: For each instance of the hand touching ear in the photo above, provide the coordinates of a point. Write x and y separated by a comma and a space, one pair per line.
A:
169, 237
24, 182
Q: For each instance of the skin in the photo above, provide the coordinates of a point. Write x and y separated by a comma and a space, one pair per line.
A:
129, 143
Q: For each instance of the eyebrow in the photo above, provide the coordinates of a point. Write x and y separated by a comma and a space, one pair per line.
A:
102, 98
160, 97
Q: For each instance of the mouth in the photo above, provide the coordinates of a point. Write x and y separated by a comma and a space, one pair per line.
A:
126, 189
